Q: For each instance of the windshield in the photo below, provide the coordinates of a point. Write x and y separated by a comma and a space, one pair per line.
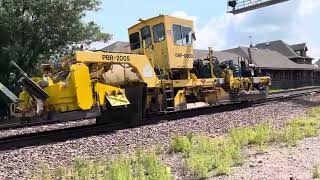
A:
182, 35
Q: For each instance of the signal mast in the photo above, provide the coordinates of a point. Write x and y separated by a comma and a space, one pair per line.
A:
241, 6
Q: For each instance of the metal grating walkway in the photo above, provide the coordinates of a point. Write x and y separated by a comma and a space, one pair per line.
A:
249, 5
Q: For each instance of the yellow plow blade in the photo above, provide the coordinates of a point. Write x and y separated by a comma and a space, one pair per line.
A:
118, 100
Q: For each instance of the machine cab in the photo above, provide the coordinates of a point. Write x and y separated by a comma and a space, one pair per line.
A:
167, 41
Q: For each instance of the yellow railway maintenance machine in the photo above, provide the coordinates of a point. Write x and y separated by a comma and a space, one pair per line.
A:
159, 76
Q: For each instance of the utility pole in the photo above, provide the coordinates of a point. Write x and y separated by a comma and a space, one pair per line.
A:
249, 50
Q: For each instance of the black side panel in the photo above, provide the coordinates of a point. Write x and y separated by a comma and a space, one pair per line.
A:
134, 112
74, 115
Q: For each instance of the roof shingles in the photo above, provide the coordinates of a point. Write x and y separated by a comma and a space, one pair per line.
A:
264, 58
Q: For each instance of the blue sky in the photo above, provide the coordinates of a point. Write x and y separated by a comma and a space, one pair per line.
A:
295, 21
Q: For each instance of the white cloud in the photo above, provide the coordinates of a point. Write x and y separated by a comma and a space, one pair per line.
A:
293, 21
184, 15
314, 51
307, 7
213, 34
97, 45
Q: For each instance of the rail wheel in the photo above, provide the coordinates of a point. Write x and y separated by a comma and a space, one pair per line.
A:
134, 113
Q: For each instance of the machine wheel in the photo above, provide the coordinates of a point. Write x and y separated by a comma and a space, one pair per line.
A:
134, 113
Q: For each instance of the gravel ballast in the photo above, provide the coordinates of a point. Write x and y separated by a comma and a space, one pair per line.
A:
18, 164
280, 163
48, 127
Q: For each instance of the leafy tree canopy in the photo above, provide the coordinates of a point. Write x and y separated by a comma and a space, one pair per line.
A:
31, 31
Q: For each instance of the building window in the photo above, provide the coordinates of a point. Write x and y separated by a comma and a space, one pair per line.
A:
146, 35
182, 35
134, 41
158, 33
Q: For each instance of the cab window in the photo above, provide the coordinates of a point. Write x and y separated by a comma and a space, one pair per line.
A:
134, 41
146, 35
186, 35
158, 33
177, 34
182, 35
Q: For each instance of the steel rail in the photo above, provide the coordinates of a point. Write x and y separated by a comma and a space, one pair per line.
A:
24, 125
60, 135
295, 90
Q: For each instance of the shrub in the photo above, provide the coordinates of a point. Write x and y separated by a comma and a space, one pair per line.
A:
306, 121
291, 135
316, 171
309, 126
207, 154
59, 172
309, 131
262, 134
149, 166
242, 136
43, 173
145, 165
224, 157
200, 164
259, 135
203, 144
181, 144
314, 112
119, 169
235, 151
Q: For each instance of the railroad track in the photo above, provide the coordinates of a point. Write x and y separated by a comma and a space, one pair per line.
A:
295, 90
60, 135
23, 125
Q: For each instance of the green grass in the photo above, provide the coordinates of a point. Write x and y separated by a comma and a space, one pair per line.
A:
119, 169
206, 155
149, 166
316, 171
290, 135
200, 164
143, 166
305, 121
242, 136
298, 129
259, 135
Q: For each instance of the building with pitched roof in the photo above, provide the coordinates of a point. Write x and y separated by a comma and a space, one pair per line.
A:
119, 46
285, 72
296, 52
279, 63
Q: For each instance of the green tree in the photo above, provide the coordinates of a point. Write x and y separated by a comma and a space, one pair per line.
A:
33, 31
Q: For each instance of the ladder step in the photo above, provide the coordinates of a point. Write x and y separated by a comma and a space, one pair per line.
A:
169, 90
170, 99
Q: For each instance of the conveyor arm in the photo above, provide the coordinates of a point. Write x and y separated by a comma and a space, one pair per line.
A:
7, 95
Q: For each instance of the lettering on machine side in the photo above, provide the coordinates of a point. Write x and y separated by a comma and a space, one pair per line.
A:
115, 58
187, 56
